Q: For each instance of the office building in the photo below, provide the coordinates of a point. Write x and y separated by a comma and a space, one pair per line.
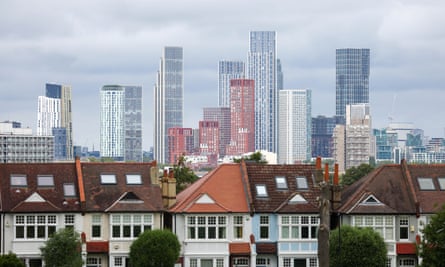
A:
168, 100
54, 117
352, 79
209, 140
19, 145
262, 68
352, 142
228, 70
295, 119
222, 116
242, 108
120, 122
322, 130
280, 76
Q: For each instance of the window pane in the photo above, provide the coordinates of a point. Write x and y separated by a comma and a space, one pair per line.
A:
212, 232
302, 183
295, 232
426, 183
19, 232
127, 231
264, 232
30, 232
41, 231
191, 233
69, 190
45, 180
136, 230
108, 178
96, 231
116, 231
18, 180
201, 232
51, 230
304, 232
221, 232
134, 179
284, 231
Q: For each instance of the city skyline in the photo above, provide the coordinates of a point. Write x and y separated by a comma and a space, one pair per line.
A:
88, 48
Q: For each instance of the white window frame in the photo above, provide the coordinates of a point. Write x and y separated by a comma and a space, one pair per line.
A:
69, 190
108, 178
96, 221
404, 225
197, 262
133, 179
129, 226
93, 262
281, 182
70, 220
35, 224
200, 227
18, 180
264, 224
238, 227
301, 182
291, 227
384, 225
45, 180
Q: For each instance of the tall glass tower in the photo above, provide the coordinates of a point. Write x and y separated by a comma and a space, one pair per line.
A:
168, 100
228, 70
352, 79
120, 122
54, 118
262, 68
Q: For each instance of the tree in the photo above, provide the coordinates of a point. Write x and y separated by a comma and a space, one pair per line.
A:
63, 249
155, 248
352, 246
10, 260
256, 157
432, 247
355, 173
184, 175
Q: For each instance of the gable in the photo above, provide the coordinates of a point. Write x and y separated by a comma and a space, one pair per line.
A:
35, 197
205, 199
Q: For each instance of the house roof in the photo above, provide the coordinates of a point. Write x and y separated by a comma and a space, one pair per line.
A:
31, 196
224, 189
397, 190
291, 198
119, 195
84, 180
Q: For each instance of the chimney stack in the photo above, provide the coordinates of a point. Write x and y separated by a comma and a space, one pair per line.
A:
168, 188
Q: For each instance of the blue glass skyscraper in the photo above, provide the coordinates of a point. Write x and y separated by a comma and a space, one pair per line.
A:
352, 79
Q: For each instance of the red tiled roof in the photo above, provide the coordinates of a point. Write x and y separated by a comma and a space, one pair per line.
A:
406, 248
97, 247
225, 186
239, 248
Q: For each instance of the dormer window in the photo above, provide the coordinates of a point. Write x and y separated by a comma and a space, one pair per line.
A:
302, 182
108, 179
261, 190
426, 183
281, 182
134, 179
45, 180
18, 180
371, 200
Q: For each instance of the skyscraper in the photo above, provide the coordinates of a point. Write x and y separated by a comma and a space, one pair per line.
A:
54, 119
168, 100
352, 79
242, 106
120, 122
294, 126
262, 68
322, 142
228, 70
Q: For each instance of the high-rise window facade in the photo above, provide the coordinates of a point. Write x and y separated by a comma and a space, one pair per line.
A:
262, 68
294, 126
168, 100
54, 111
222, 116
241, 113
352, 79
322, 131
228, 70
121, 122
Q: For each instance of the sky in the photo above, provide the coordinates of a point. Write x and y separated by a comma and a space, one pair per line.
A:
88, 44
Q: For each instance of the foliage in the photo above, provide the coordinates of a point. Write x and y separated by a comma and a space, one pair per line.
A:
10, 260
352, 246
432, 246
155, 248
256, 157
62, 249
353, 174
184, 175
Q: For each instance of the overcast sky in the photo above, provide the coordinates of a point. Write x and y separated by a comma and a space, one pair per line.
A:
88, 44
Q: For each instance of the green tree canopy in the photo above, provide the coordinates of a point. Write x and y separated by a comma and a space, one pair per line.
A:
355, 173
256, 157
350, 247
432, 246
10, 260
62, 249
184, 175
155, 248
